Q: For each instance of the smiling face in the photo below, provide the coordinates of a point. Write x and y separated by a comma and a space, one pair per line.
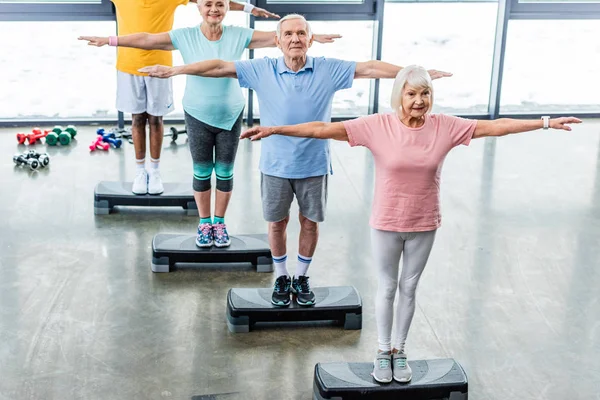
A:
294, 38
213, 11
416, 101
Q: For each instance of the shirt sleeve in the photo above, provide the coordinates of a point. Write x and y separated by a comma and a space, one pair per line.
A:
183, 2
176, 35
249, 71
246, 34
342, 72
459, 129
361, 130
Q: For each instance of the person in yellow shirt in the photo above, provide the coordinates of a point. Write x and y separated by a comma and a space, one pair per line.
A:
149, 99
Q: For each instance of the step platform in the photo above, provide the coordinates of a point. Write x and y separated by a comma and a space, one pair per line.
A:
169, 249
432, 380
107, 195
248, 306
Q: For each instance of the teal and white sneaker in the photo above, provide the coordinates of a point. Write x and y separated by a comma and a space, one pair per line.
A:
382, 368
402, 371
205, 235
221, 236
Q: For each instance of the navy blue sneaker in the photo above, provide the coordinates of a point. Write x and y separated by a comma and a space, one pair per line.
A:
301, 289
281, 291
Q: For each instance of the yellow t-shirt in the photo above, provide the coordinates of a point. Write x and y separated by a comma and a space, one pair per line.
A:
150, 16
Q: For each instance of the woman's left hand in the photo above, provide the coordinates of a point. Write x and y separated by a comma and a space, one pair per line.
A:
561, 123
256, 133
435, 74
158, 71
326, 38
261, 12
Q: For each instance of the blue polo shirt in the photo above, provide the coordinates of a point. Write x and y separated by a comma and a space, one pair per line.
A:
286, 97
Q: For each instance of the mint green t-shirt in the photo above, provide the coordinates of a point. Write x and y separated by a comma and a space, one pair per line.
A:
215, 101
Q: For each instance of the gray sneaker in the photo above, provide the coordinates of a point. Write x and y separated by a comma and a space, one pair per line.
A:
402, 371
382, 368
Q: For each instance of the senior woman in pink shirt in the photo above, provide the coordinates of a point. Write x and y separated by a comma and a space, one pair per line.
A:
409, 148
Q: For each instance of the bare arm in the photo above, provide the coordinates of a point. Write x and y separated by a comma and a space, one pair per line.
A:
209, 69
506, 126
145, 41
375, 69
262, 39
315, 130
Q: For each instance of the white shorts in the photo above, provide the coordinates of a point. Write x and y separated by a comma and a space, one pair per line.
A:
139, 94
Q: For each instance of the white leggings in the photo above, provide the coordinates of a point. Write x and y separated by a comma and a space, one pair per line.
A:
387, 248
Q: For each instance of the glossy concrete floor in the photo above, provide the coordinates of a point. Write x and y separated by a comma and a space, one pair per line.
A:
511, 290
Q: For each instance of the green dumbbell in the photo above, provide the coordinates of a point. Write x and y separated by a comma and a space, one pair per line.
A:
52, 138
64, 138
57, 129
72, 130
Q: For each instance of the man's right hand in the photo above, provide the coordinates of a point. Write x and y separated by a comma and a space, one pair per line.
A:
95, 40
256, 133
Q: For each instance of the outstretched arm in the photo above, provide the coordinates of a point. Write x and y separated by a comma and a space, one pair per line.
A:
506, 126
145, 41
315, 130
376, 69
209, 69
256, 11
262, 39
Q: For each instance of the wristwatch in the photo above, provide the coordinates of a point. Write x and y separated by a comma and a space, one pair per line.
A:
546, 120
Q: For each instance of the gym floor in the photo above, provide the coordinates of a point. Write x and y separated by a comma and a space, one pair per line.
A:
510, 291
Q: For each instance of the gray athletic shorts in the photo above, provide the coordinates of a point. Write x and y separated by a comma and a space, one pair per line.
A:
277, 195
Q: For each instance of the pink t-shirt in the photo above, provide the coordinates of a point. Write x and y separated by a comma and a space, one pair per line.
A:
408, 164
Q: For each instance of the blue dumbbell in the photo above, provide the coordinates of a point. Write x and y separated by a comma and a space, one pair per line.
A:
115, 142
102, 132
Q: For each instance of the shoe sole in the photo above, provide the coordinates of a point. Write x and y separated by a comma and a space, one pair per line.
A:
140, 193
223, 245
204, 245
403, 380
380, 381
156, 194
280, 304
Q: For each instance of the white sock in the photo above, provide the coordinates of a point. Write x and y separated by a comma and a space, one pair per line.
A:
302, 266
141, 164
154, 163
280, 265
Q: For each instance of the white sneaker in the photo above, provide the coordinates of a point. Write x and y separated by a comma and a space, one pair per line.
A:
402, 371
140, 182
155, 185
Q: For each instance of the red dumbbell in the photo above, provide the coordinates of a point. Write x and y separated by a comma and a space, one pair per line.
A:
35, 135
99, 144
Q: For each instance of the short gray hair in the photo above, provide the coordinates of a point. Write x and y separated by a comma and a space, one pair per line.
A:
293, 16
414, 75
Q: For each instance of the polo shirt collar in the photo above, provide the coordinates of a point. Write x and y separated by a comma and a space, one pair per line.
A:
282, 68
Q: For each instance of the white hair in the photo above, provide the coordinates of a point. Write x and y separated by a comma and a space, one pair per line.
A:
293, 16
415, 76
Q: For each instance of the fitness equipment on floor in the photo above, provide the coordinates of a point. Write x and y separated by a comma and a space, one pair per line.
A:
61, 135
247, 307
174, 133
21, 159
432, 380
169, 249
99, 144
42, 158
32, 138
108, 194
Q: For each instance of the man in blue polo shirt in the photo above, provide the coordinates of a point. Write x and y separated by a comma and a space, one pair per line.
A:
292, 89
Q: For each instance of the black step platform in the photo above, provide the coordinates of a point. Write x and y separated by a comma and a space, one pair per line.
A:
432, 380
110, 194
168, 249
247, 306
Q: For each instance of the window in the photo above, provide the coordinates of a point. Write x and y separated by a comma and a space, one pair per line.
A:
355, 44
48, 73
541, 75
443, 36
190, 16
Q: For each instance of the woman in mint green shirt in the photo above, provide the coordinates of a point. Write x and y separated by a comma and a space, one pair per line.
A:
213, 107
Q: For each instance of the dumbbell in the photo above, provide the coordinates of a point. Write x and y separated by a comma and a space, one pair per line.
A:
35, 135
174, 132
109, 137
20, 159
99, 144
42, 158
61, 135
